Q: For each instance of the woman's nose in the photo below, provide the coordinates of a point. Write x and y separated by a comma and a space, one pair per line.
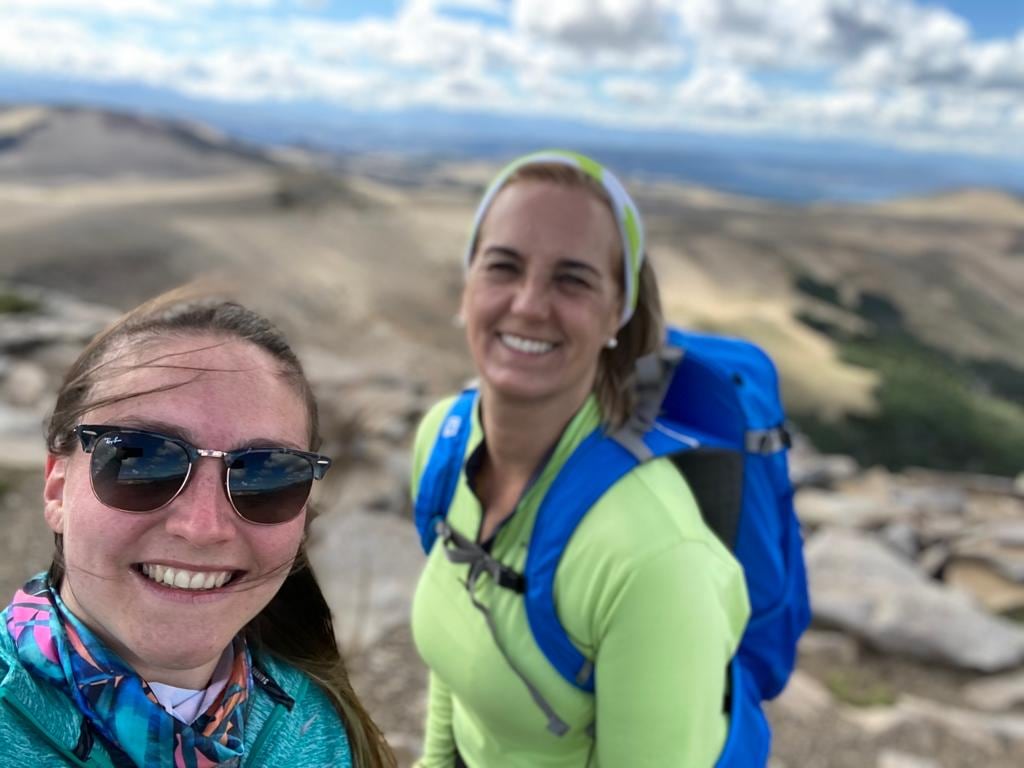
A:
202, 513
531, 299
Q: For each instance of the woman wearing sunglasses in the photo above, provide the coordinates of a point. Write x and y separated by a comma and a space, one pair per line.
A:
180, 624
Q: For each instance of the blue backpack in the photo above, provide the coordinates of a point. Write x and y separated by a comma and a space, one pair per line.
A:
712, 405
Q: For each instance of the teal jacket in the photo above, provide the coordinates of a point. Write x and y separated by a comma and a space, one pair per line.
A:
41, 727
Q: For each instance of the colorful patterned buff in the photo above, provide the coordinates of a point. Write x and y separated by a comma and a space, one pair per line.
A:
627, 216
55, 646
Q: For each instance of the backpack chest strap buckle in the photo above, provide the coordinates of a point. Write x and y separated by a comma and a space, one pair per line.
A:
461, 550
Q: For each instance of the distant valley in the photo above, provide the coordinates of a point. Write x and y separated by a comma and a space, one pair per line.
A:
896, 325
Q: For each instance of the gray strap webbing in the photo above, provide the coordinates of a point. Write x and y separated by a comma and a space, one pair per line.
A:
768, 440
633, 443
652, 376
459, 549
462, 551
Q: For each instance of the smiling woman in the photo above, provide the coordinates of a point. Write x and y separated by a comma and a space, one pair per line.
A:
559, 306
180, 623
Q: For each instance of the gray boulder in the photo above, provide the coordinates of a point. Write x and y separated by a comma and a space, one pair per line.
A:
893, 758
25, 384
808, 468
863, 587
818, 508
996, 694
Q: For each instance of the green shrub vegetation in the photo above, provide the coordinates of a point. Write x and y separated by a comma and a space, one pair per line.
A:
1015, 614
821, 291
12, 303
1000, 379
858, 690
933, 410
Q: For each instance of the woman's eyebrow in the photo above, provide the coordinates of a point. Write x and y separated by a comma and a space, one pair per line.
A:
155, 425
183, 433
503, 250
579, 265
566, 263
262, 442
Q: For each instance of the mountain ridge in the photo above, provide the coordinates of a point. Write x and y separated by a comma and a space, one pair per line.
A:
370, 246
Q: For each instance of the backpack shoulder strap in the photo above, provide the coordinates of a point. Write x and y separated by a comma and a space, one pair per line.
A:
599, 462
441, 475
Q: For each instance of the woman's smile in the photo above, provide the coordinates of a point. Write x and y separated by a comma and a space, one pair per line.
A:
185, 578
542, 296
525, 344
169, 589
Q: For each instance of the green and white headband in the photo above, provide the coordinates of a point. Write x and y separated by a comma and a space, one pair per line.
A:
627, 217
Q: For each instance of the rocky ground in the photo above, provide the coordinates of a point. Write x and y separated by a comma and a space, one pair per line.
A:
915, 659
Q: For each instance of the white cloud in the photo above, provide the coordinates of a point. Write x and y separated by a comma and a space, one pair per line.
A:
653, 58
1017, 117
619, 25
119, 8
753, 33
984, 111
956, 64
433, 7
837, 108
905, 109
999, 64
882, 69
720, 90
423, 44
464, 90
806, 34
557, 94
632, 90
127, 9
872, 43
74, 50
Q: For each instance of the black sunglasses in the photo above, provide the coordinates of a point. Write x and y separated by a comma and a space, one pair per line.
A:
134, 470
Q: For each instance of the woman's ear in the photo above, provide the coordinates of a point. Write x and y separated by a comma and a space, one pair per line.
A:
53, 492
615, 318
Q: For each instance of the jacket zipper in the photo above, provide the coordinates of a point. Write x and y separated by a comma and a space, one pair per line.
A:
268, 728
280, 708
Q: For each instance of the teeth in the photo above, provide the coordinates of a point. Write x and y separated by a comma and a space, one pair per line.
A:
529, 346
182, 579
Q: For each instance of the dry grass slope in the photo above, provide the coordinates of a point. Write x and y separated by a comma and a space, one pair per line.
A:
370, 267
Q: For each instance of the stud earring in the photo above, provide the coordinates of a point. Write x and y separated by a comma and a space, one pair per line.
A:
612, 343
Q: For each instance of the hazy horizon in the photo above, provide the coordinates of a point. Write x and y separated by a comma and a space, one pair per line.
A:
801, 101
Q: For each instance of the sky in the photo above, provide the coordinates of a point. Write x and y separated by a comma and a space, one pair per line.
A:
938, 76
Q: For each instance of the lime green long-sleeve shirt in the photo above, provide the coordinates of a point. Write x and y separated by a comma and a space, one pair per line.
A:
644, 589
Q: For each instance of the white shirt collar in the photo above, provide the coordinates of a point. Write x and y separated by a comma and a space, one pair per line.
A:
187, 705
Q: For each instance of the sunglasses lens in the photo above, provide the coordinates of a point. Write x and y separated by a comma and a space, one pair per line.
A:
136, 472
269, 486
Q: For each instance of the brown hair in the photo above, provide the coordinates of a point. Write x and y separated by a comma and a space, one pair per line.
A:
296, 624
644, 332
